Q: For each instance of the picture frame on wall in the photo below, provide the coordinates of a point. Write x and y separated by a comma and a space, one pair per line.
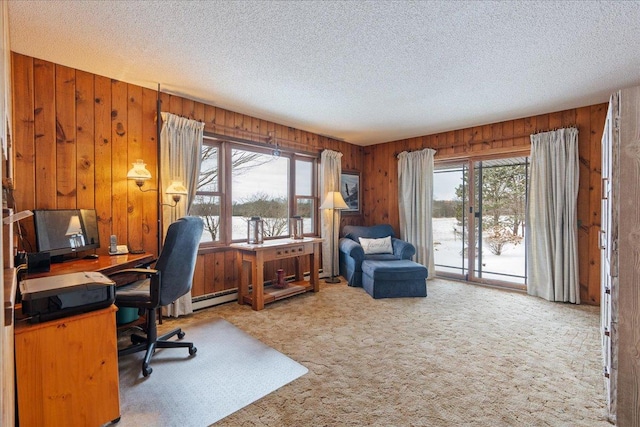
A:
350, 190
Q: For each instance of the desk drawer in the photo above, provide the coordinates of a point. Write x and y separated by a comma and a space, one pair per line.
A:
289, 252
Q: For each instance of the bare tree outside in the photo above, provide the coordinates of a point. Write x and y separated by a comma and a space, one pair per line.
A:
274, 211
208, 206
503, 204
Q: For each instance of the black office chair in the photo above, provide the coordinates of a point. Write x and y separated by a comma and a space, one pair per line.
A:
170, 279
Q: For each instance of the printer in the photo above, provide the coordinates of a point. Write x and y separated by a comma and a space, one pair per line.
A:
53, 297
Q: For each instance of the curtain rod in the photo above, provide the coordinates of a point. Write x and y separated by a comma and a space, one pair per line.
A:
266, 138
158, 114
235, 139
490, 140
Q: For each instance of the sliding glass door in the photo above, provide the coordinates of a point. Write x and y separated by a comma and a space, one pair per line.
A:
499, 214
450, 228
489, 198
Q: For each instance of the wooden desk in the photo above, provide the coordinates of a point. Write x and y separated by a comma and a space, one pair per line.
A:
105, 264
251, 258
67, 370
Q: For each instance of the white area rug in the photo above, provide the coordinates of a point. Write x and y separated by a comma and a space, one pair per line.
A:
230, 370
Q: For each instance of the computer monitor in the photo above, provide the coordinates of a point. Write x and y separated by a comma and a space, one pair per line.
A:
62, 232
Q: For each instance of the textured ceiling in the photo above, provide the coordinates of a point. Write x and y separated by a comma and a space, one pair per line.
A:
363, 72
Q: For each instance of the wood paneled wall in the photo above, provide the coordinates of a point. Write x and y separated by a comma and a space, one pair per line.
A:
380, 172
76, 135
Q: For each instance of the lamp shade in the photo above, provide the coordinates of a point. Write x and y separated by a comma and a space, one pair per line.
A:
177, 188
74, 226
334, 200
74, 232
139, 171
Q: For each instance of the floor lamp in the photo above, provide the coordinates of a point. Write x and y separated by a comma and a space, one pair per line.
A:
333, 202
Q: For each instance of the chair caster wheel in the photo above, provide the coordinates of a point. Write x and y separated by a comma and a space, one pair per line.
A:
192, 351
146, 371
181, 335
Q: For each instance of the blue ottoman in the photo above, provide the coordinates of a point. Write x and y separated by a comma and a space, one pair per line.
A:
394, 279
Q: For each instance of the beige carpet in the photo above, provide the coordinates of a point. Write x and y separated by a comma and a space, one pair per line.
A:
229, 371
464, 356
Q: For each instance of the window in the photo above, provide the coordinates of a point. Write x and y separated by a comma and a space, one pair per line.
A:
259, 187
208, 201
256, 183
305, 201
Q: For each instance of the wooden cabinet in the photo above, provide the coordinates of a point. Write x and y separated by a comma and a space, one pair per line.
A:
620, 251
6, 347
67, 370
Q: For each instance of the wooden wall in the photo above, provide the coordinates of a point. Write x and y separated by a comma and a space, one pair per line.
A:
76, 135
380, 172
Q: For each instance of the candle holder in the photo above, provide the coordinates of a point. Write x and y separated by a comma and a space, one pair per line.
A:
255, 231
280, 283
296, 227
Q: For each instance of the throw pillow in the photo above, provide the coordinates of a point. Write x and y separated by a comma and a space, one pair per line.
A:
376, 246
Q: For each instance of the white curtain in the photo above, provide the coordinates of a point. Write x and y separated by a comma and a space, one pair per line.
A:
415, 203
330, 169
552, 226
180, 156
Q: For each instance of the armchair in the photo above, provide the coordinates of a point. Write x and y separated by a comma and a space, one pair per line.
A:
352, 253
170, 279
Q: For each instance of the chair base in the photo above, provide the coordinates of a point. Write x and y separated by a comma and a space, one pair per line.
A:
141, 343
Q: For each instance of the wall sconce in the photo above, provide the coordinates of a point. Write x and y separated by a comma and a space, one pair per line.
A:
139, 173
255, 231
296, 227
177, 190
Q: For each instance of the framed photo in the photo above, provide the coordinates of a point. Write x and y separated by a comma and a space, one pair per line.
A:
350, 190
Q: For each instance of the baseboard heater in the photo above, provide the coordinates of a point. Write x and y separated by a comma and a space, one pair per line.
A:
216, 298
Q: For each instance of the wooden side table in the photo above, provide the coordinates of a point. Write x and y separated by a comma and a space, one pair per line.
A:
251, 258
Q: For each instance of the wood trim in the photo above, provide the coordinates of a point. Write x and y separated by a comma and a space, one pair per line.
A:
496, 153
628, 272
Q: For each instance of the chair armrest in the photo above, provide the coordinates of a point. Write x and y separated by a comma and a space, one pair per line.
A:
402, 249
144, 271
351, 248
154, 283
